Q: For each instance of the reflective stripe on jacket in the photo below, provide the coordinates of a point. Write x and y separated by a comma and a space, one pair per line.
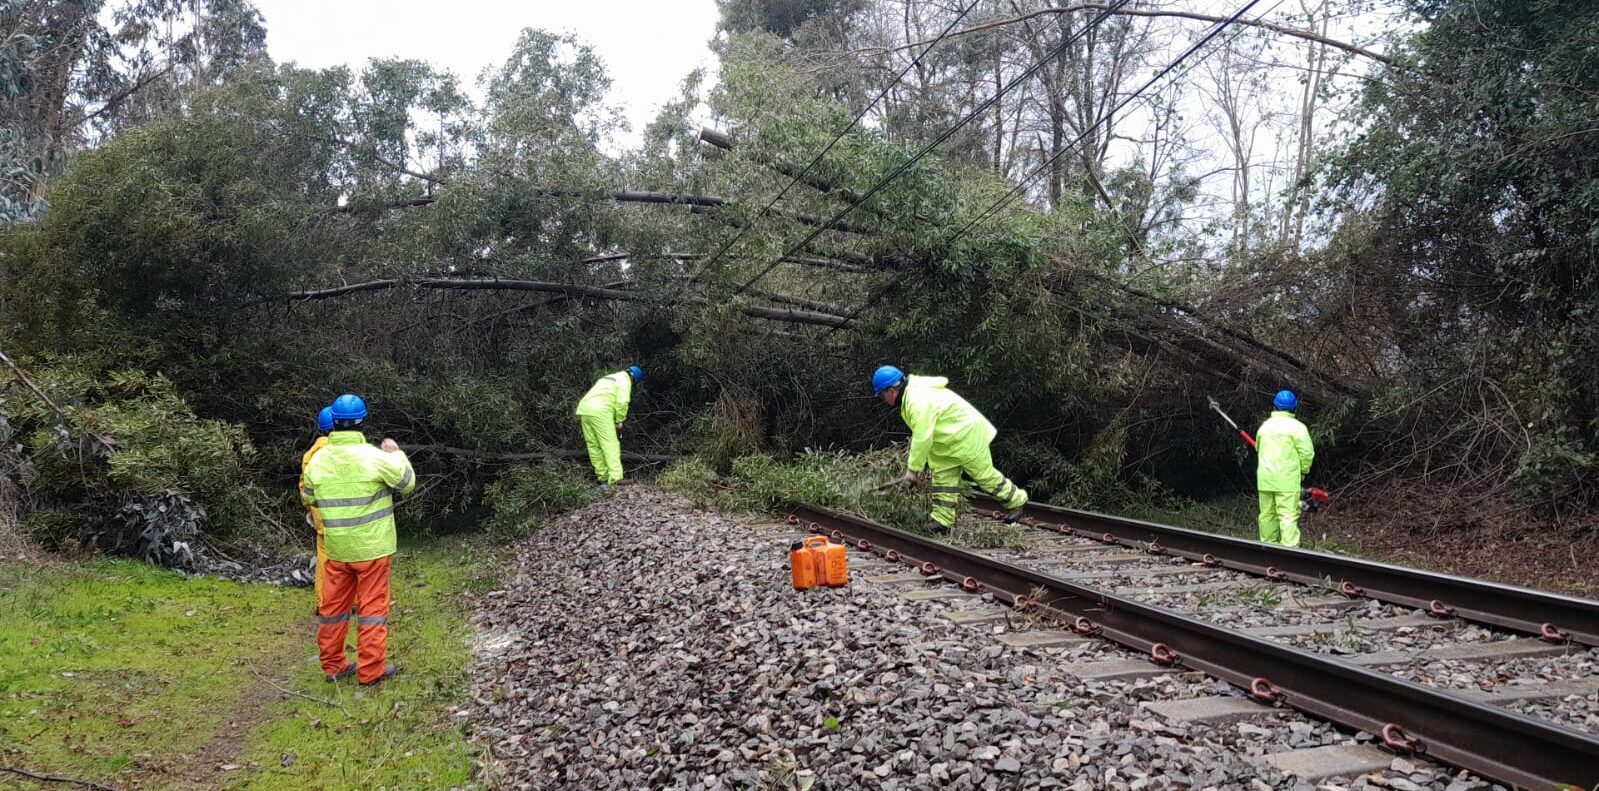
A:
608, 397
352, 485
945, 429
1285, 453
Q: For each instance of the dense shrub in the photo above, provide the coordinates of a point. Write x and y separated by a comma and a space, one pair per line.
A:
131, 459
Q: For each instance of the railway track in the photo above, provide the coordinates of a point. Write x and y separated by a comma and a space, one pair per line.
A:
1359, 645
1551, 616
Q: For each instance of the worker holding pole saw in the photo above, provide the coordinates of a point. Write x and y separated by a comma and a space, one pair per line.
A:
1284, 453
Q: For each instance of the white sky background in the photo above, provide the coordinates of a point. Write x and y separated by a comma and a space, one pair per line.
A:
648, 46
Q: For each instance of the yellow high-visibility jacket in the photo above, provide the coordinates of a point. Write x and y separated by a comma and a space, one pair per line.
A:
352, 485
946, 431
608, 397
305, 460
1283, 444
316, 518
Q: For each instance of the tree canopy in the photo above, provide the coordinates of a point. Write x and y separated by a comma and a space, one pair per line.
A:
230, 242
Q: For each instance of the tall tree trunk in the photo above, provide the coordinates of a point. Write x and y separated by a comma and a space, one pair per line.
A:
1315, 62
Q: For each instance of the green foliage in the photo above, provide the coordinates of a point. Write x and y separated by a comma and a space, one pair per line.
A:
525, 494
782, 17
762, 484
1557, 473
692, 477
1096, 479
158, 445
1471, 200
732, 430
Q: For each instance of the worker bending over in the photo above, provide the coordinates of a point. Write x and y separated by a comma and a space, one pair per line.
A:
352, 485
949, 436
1285, 453
324, 424
601, 412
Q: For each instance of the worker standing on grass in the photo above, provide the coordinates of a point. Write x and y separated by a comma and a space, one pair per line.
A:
949, 436
601, 413
352, 485
324, 424
1285, 453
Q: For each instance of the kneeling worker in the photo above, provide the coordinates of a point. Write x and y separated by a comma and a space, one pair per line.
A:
352, 486
950, 436
1285, 452
601, 412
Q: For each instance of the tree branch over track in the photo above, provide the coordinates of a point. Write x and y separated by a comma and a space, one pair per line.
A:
1147, 12
695, 202
792, 315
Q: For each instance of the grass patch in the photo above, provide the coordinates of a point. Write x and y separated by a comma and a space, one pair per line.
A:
1255, 596
122, 673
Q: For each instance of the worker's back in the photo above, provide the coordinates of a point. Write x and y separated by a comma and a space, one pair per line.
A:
1285, 452
608, 396
953, 427
352, 485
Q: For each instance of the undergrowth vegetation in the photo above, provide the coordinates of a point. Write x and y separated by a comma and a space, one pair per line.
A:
763, 484
842, 480
524, 495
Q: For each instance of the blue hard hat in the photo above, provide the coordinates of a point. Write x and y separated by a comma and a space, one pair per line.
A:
1286, 400
324, 419
349, 407
636, 372
886, 377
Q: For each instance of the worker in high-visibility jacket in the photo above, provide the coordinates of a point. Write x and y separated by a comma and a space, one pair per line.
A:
950, 437
324, 424
1285, 452
601, 413
353, 486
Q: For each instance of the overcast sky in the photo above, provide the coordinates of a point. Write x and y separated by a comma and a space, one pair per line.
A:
648, 45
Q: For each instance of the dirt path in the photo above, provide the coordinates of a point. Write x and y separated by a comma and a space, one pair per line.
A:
210, 766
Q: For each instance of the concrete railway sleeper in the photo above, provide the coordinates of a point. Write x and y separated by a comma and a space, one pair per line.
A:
1549, 616
1409, 717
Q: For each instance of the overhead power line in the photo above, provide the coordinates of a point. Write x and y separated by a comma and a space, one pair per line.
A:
948, 133
1022, 182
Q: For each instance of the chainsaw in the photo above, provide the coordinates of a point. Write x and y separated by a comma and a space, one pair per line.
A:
1312, 500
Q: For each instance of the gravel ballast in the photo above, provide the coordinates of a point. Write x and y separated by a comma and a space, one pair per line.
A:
642, 643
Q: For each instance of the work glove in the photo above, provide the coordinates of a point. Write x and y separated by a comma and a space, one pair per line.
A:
909, 479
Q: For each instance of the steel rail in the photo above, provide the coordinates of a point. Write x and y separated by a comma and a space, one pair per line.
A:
1552, 616
1496, 743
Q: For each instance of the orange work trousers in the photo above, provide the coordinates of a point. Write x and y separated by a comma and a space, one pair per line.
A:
364, 587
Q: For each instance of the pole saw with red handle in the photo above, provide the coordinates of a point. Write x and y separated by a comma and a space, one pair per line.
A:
1241, 432
1311, 499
